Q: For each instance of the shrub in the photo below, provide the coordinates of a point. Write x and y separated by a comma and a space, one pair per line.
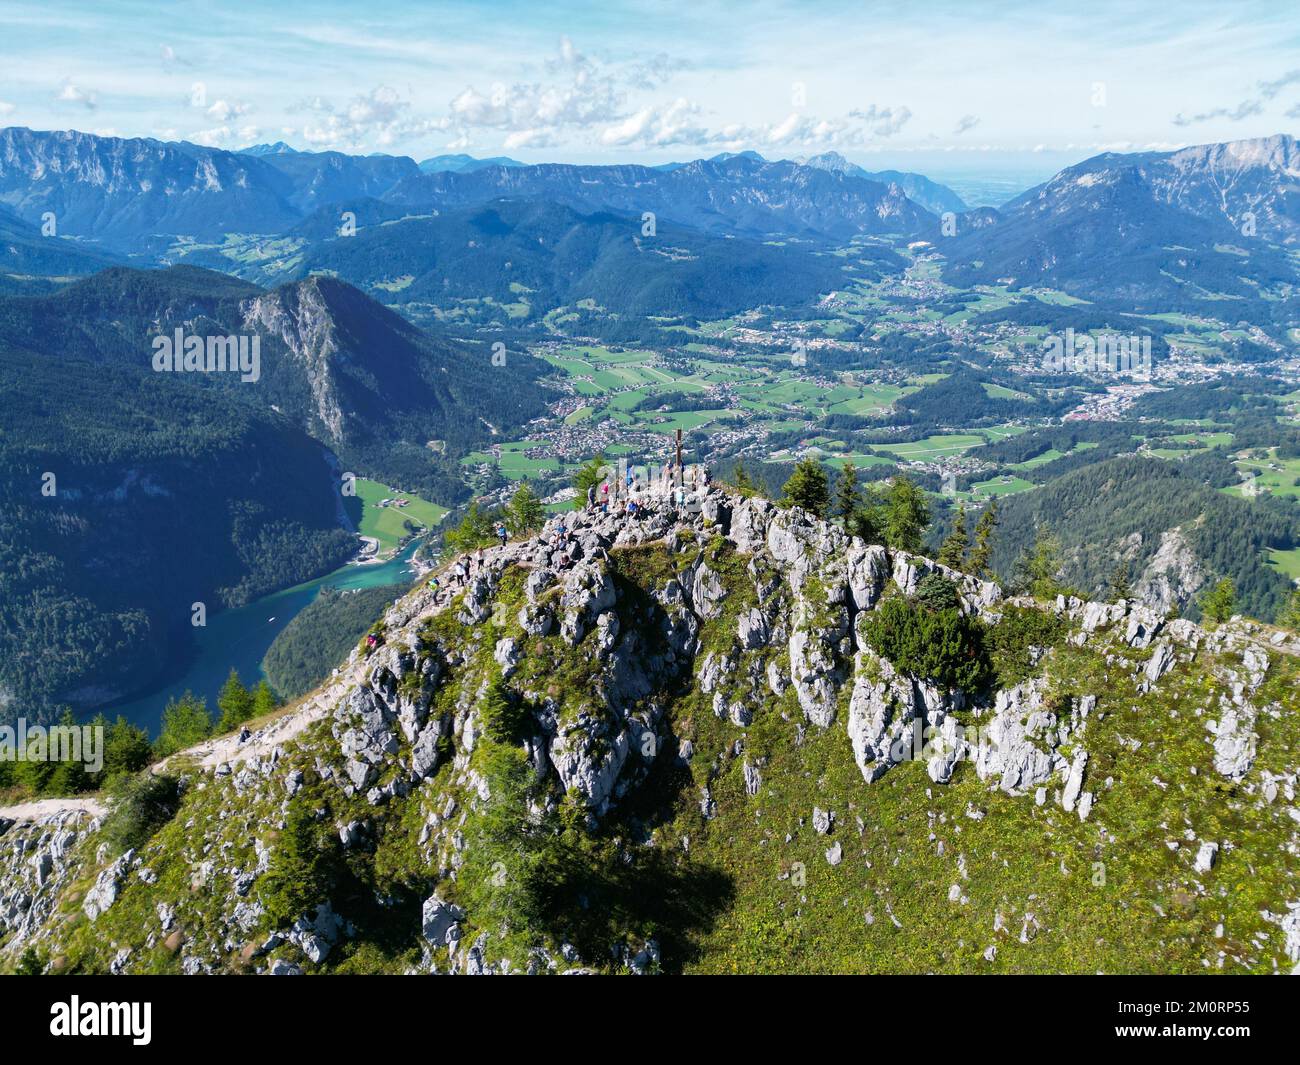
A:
1011, 641
141, 805
298, 876
944, 647
502, 715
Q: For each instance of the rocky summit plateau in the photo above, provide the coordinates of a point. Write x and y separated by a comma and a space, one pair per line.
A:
703, 738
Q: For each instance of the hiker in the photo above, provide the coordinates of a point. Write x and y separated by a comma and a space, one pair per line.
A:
502, 533
435, 584
591, 497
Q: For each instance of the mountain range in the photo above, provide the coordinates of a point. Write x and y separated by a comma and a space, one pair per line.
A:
1200, 223
135, 194
531, 256
1151, 229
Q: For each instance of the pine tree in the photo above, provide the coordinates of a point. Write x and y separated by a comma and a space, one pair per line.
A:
808, 487
185, 722
264, 699
68, 775
742, 482
868, 521
474, 531
235, 703
953, 551
589, 475
981, 555
526, 512
907, 515
501, 715
848, 499
1120, 586
126, 748
1038, 571
1220, 602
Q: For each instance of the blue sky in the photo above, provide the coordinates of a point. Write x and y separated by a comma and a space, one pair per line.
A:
956, 86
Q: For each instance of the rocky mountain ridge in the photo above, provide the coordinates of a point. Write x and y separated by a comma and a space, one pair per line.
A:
669, 670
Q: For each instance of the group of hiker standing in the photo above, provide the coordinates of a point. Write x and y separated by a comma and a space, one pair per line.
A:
672, 481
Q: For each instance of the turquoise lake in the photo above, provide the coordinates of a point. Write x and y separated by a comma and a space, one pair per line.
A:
240, 638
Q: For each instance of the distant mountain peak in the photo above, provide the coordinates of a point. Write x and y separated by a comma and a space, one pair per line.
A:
460, 164
831, 161
278, 148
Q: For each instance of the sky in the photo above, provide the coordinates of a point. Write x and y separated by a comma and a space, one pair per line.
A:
933, 86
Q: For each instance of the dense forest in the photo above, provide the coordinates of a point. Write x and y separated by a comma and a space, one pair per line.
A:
1094, 512
179, 494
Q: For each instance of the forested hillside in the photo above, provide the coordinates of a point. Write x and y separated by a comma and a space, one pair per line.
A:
125, 498
1117, 510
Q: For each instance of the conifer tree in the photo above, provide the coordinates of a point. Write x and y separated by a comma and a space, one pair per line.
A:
848, 498
235, 703
981, 554
808, 487
953, 551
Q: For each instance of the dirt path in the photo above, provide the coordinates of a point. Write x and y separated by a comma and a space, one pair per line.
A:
38, 808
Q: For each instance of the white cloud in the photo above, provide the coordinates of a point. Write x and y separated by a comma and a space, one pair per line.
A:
6, 108
226, 137
223, 110
660, 126
883, 121
965, 123
381, 116
679, 123
72, 93
530, 138
1245, 109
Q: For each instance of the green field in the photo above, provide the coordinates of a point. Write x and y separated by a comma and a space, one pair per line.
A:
1287, 561
514, 464
1000, 486
389, 525
933, 447
1273, 475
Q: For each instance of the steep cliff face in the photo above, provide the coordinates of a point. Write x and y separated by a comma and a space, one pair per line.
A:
1173, 575
677, 741
128, 192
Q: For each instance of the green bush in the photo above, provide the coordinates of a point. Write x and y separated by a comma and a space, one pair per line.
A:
943, 646
1011, 641
298, 878
502, 714
141, 805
